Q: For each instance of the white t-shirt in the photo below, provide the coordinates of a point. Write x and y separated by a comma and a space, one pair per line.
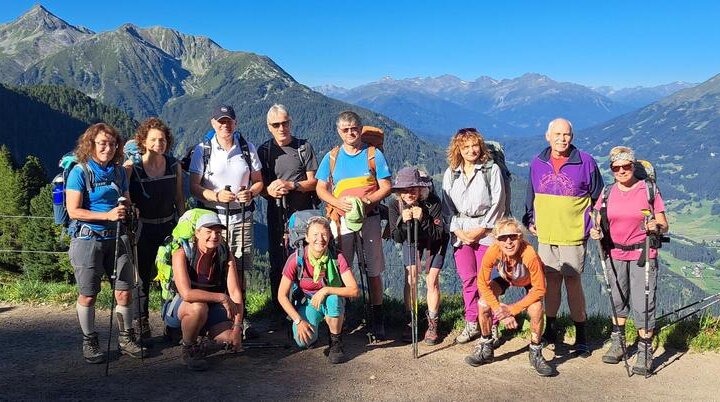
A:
224, 168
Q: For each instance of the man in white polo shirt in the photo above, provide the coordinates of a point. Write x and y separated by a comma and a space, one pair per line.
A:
227, 159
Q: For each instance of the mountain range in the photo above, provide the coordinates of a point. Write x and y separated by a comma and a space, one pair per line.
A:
436, 107
162, 72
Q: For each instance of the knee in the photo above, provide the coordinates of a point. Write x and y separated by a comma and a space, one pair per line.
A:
86, 301
123, 297
335, 306
535, 311
194, 311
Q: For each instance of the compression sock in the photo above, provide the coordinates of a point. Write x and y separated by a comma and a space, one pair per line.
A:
432, 314
124, 317
86, 316
580, 333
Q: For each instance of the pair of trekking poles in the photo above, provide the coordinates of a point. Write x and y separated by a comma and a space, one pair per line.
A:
414, 271
130, 224
647, 216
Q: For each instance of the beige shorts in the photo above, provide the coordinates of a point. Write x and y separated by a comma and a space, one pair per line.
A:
567, 260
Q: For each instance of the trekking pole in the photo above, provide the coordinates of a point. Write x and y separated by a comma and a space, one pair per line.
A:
282, 215
408, 228
133, 243
112, 286
227, 215
647, 215
699, 309
676, 311
416, 223
606, 275
362, 267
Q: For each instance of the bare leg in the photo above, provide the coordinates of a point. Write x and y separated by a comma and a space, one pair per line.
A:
576, 298
552, 292
535, 311
192, 318
432, 282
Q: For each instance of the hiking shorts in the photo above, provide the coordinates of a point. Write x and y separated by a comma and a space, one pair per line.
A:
435, 256
627, 283
92, 257
566, 260
216, 314
371, 240
242, 233
332, 306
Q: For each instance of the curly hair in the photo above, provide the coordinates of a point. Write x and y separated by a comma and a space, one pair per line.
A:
145, 127
462, 136
85, 149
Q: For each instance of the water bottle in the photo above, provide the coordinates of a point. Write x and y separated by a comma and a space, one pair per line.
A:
58, 190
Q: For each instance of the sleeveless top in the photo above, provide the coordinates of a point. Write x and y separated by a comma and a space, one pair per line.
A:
154, 196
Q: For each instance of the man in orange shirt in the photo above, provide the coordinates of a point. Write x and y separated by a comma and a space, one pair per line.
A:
518, 265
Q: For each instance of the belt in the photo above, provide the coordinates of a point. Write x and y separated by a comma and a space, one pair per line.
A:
86, 231
461, 215
157, 221
631, 247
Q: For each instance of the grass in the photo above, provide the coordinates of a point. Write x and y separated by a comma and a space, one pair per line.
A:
694, 221
695, 333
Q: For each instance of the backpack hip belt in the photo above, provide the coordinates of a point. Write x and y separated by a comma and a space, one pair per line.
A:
630, 247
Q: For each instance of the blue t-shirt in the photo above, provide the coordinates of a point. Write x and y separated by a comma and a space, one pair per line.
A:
352, 170
110, 183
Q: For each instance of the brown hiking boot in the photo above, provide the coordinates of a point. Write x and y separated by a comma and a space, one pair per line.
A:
91, 349
128, 345
142, 327
193, 356
431, 335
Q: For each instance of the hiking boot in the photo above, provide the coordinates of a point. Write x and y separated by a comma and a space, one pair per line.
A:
495, 334
127, 344
581, 350
538, 362
172, 335
336, 353
431, 335
614, 355
644, 360
407, 333
468, 333
249, 331
142, 327
193, 356
483, 353
91, 349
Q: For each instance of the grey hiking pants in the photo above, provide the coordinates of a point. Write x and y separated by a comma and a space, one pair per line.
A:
628, 290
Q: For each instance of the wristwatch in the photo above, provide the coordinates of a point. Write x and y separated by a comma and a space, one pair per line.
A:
296, 185
297, 321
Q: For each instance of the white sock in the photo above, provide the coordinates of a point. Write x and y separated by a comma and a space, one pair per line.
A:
86, 316
124, 317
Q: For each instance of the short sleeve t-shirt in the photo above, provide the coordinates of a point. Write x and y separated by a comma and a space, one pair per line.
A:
110, 183
352, 176
290, 162
626, 218
306, 283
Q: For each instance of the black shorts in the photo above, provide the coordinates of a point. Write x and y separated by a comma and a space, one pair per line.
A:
504, 285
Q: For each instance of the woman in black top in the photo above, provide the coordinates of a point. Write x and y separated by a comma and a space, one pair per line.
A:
415, 201
156, 190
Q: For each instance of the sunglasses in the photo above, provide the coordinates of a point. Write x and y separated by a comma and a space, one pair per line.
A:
350, 129
505, 237
282, 123
625, 167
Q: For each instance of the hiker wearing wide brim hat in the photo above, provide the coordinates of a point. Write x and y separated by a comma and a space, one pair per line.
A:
622, 221
517, 264
416, 204
209, 297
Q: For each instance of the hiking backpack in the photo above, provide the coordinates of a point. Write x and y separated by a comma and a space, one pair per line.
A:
181, 236
67, 163
497, 157
303, 155
206, 146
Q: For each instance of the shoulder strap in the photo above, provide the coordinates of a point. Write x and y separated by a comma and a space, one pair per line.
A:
89, 177
206, 146
371, 160
245, 149
302, 152
486, 171
333, 159
651, 188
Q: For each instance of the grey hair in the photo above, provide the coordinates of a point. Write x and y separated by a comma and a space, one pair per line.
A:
558, 120
278, 109
318, 220
349, 117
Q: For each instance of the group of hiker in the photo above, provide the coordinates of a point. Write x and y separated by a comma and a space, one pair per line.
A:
312, 279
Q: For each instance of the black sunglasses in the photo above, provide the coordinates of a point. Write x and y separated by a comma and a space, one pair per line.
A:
505, 237
282, 123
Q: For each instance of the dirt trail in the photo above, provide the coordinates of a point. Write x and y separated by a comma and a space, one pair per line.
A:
41, 359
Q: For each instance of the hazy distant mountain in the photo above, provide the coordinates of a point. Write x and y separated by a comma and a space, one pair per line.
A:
642, 96
436, 107
160, 71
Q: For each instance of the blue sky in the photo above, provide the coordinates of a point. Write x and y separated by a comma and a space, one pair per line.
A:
615, 43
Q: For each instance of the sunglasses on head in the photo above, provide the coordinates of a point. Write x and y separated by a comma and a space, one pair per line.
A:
505, 237
281, 123
626, 167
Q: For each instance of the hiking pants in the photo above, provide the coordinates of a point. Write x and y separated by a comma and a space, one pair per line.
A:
150, 237
332, 306
468, 259
628, 290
